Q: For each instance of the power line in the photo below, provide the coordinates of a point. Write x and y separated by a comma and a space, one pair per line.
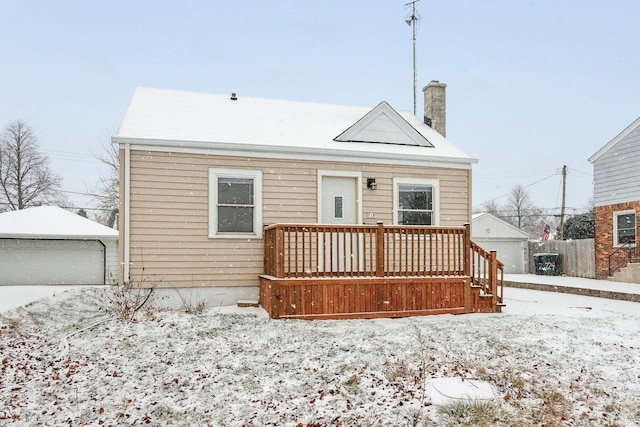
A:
512, 173
580, 172
69, 153
557, 172
502, 213
559, 192
97, 196
85, 208
76, 192
69, 156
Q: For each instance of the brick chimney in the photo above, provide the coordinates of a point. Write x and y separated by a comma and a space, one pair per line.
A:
435, 111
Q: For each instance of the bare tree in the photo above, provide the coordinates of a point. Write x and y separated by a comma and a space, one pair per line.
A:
25, 177
520, 210
107, 195
492, 207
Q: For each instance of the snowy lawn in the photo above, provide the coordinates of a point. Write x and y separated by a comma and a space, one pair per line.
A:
550, 359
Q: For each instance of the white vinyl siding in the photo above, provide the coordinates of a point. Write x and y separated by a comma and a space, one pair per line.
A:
617, 172
235, 203
112, 262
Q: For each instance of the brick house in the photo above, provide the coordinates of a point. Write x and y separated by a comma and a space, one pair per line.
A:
616, 169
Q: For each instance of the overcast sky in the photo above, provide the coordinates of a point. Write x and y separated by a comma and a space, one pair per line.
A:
531, 85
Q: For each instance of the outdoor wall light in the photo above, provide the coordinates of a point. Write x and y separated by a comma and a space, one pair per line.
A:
371, 184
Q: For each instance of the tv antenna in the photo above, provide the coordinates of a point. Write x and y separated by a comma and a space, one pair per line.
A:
412, 21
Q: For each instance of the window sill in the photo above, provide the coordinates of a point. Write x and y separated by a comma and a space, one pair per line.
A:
620, 245
237, 236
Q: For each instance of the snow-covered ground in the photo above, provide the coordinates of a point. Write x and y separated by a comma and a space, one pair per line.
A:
12, 297
548, 359
575, 282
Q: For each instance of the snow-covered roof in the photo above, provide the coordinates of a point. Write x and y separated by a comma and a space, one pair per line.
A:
499, 229
609, 145
50, 222
158, 117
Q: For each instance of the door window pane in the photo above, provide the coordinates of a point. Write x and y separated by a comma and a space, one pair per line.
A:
337, 207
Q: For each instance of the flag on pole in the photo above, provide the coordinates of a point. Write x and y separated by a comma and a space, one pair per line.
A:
546, 229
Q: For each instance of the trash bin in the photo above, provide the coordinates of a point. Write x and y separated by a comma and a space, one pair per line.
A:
547, 264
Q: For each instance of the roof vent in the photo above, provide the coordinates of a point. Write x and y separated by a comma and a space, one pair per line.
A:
234, 97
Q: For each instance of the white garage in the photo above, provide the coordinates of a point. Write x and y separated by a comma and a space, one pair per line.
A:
51, 246
510, 242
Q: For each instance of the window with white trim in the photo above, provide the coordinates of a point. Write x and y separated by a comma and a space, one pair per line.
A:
624, 227
235, 203
415, 201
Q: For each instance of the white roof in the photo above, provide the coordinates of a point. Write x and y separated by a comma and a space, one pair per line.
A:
615, 140
50, 222
502, 228
158, 117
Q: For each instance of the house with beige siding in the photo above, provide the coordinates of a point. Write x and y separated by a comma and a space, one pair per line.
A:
616, 177
205, 176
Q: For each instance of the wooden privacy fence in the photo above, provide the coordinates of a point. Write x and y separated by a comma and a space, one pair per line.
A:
314, 270
578, 256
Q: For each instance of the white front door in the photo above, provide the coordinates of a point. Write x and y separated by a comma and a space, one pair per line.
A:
339, 200
339, 206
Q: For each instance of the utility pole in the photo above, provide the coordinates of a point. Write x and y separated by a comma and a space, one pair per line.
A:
412, 21
564, 194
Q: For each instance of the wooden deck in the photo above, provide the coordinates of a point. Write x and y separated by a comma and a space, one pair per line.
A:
317, 271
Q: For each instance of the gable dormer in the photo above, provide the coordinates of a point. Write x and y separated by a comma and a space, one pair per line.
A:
383, 125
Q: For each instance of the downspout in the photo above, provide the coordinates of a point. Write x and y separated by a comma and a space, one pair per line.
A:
104, 262
127, 202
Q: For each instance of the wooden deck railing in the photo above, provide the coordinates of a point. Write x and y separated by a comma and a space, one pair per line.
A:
323, 251
486, 272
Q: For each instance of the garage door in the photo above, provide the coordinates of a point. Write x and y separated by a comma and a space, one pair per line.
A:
510, 253
51, 262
